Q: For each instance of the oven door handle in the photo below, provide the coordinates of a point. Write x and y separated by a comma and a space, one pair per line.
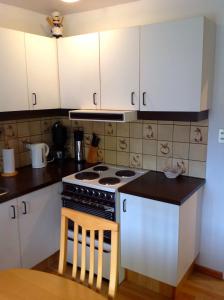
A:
125, 205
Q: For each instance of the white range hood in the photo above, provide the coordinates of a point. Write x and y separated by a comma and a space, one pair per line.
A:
103, 115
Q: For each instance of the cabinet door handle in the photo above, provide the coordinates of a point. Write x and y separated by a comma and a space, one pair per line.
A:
124, 205
143, 98
14, 212
132, 98
24, 208
94, 99
34, 97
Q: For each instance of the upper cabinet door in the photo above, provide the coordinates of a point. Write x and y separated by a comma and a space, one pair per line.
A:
175, 63
13, 78
119, 63
79, 71
42, 70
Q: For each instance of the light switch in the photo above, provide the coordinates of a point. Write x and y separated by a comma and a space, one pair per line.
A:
221, 136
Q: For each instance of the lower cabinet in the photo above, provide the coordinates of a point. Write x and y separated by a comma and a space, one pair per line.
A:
9, 236
39, 225
159, 240
30, 228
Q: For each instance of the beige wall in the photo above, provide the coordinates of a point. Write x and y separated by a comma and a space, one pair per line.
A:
140, 12
135, 13
24, 20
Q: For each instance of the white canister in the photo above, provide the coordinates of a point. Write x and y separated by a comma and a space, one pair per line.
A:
8, 161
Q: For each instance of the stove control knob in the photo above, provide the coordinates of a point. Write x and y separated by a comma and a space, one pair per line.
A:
77, 189
103, 195
82, 190
87, 191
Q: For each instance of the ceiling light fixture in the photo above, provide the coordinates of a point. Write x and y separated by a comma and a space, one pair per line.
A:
70, 1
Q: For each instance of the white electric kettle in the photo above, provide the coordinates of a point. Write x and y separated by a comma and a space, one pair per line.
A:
39, 153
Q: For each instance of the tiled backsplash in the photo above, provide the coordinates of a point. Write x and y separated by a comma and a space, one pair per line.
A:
150, 145
13, 134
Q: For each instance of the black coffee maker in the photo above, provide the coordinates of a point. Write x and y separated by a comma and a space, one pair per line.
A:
59, 136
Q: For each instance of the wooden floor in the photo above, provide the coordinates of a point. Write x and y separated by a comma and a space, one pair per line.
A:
201, 287
197, 287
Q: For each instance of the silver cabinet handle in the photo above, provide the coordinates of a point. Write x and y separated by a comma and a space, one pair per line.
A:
24, 208
143, 98
124, 205
132, 98
34, 97
14, 212
94, 99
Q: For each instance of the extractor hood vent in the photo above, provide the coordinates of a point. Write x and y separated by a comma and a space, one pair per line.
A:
103, 115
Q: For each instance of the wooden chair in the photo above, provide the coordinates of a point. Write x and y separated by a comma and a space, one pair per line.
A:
93, 224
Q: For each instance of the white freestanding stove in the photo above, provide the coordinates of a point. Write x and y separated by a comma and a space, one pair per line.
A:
95, 191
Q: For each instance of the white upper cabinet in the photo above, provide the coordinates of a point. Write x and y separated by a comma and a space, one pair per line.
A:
13, 80
176, 65
42, 71
79, 71
171, 61
119, 66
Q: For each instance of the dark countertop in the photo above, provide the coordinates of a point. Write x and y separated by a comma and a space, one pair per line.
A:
155, 185
29, 180
152, 185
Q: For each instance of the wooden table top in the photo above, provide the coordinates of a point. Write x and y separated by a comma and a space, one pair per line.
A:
24, 284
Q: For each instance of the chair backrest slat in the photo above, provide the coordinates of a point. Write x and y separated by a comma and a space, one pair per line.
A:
113, 265
75, 251
93, 224
92, 258
100, 261
83, 259
63, 245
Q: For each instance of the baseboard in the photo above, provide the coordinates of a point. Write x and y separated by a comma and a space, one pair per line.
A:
209, 272
151, 284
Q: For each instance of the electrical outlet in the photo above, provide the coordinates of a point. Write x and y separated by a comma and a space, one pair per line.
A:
221, 136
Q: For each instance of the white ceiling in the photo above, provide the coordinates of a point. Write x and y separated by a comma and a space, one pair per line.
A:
47, 6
